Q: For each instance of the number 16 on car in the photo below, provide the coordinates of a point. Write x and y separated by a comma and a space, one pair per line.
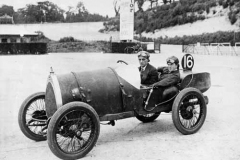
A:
187, 62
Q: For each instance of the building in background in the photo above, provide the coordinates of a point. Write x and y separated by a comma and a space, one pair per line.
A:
18, 43
18, 38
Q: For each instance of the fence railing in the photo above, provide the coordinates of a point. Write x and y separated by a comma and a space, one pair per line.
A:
213, 49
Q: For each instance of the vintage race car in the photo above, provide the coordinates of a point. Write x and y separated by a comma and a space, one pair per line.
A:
68, 114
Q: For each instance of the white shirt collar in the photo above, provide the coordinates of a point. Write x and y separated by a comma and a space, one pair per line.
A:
143, 68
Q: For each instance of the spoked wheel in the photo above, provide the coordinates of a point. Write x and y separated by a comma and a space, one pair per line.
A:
189, 111
73, 130
32, 117
148, 117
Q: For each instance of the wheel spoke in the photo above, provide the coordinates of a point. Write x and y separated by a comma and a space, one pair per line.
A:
61, 140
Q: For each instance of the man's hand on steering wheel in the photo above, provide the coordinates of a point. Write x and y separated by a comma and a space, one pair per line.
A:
154, 85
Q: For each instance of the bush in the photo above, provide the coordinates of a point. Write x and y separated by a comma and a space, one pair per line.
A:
237, 11
232, 17
173, 5
80, 46
179, 10
231, 3
164, 7
67, 39
198, 7
112, 25
212, 4
220, 2
225, 4
200, 12
201, 17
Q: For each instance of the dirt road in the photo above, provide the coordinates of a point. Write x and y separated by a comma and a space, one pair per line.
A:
218, 139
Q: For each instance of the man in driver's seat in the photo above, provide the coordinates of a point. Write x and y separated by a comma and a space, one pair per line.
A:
168, 76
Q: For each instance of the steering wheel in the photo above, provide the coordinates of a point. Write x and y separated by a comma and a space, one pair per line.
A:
121, 61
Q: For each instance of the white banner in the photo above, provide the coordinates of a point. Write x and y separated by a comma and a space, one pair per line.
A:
126, 19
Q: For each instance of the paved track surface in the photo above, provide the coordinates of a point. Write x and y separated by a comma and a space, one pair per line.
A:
218, 139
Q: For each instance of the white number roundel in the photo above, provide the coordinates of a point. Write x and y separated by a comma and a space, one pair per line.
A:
187, 62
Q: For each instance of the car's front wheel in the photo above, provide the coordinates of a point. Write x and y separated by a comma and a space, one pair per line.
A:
73, 130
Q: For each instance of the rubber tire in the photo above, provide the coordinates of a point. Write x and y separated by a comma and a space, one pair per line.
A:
175, 110
51, 134
22, 113
145, 119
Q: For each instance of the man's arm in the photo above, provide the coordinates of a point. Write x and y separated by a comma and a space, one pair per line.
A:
162, 69
172, 79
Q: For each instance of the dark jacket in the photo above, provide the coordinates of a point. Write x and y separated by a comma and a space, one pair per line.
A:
167, 79
149, 75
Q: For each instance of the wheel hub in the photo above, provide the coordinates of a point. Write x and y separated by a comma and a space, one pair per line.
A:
75, 130
187, 112
72, 129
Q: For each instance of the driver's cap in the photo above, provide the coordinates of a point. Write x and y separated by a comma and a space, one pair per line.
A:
172, 59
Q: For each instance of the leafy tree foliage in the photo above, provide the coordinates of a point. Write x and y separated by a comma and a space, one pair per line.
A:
81, 14
49, 12
6, 10
180, 12
42, 12
140, 4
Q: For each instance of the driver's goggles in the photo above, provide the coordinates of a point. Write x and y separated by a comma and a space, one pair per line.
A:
170, 61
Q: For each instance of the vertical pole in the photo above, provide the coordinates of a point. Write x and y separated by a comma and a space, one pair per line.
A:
111, 44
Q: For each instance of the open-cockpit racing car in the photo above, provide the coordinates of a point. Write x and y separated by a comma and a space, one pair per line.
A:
68, 114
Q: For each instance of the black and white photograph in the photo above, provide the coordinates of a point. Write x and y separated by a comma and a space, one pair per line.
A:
120, 79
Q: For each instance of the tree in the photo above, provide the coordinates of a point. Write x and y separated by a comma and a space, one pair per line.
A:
31, 14
116, 5
42, 12
81, 7
140, 4
80, 14
69, 14
52, 12
6, 10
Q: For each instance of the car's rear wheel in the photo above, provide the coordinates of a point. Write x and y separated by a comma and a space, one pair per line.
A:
73, 130
148, 117
189, 111
32, 118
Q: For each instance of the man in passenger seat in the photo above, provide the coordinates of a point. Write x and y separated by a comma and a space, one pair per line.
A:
168, 76
148, 73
